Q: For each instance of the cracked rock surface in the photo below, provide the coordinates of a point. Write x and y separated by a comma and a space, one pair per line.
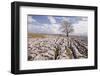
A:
55, 48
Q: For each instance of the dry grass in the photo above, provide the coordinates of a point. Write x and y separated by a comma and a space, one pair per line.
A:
33, 35
69, 53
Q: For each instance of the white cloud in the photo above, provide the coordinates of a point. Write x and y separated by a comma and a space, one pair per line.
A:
35, 28
51, 19
53, 26
44, 28
65, 19
84, 19
81, 28
31, 20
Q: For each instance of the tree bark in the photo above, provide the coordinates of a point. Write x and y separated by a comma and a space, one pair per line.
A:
67, 34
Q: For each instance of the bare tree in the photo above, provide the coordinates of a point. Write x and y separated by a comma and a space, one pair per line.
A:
66, 27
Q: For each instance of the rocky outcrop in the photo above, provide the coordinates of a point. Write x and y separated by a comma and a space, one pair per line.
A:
55, 48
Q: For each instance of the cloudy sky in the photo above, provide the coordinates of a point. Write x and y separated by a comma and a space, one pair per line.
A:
52, 24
